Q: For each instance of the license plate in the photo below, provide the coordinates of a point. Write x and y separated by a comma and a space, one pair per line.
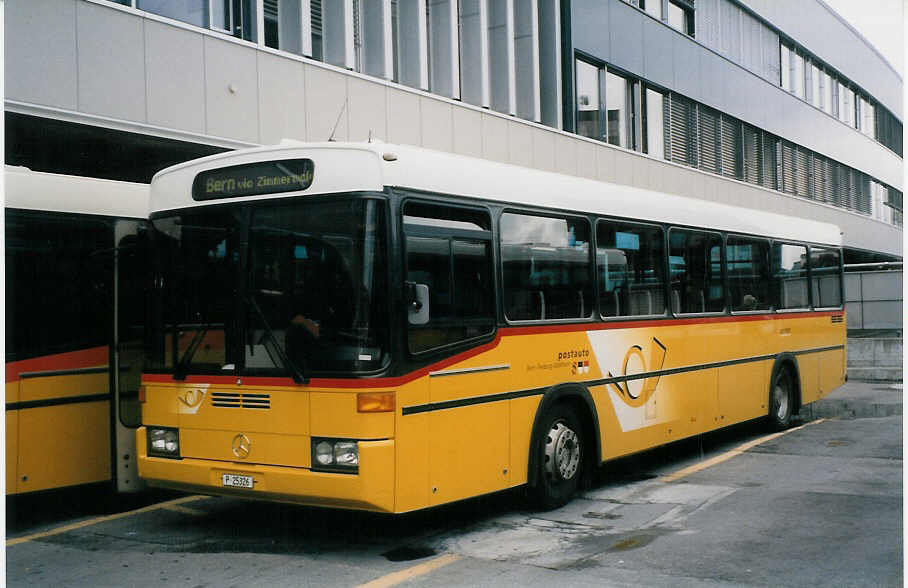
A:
235, 481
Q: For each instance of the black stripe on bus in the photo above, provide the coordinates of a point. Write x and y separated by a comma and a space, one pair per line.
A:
70, 372
433, 406
56, 401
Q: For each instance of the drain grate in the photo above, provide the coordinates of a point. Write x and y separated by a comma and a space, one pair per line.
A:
408, 553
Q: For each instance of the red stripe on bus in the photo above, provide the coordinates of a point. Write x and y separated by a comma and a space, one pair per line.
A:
351, 383
84, 358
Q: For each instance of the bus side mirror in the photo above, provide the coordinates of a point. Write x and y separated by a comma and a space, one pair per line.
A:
417, 303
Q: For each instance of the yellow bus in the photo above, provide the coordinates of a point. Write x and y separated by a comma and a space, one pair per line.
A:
389, 328
74, 312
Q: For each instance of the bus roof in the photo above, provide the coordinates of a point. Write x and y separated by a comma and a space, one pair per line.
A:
342, 167
26, 189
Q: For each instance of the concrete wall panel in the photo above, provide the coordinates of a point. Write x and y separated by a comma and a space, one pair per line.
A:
520, 144
882, 286
624, 168
591, 31
605, 164
467, 132
326, 92
626, 36
176, 89
437, 124
403, 117
566, 155
852, 287
657, 53
282, 99
367, 111
719, 75
853, 317
882, 315
543, 150
495, 144
49, 76
686, 65
111, 63
231, 90
586, 159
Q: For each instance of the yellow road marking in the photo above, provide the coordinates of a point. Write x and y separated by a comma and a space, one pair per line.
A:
183, 509
96, 520
396, 578
683, 473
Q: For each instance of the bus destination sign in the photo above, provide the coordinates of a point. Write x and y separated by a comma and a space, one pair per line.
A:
253, 179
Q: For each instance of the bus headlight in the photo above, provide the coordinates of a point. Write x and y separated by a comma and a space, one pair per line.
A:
335, 455
163, 442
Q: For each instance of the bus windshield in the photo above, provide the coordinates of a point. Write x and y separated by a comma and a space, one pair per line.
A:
284, 288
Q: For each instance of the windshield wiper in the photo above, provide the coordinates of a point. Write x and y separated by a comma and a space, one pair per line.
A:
182, 368
300, 376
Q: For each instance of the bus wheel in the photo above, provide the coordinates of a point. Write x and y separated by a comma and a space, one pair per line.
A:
781, 400
561, 458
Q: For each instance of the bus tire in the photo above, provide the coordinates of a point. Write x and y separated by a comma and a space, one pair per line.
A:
781, 399
560, 456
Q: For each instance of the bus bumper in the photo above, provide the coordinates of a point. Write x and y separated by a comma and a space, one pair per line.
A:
372, 488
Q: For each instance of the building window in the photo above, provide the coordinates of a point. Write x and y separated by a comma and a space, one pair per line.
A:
797, 75
681, 16
654, 122
826, 83
234, 17
682, 135
189, 11
785, 68
709, 135
816, 85
867, 119
619, 109
270, 10
846, 104
652, 7
590, 123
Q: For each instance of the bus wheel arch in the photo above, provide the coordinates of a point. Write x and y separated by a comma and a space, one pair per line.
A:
561, 404
785, 380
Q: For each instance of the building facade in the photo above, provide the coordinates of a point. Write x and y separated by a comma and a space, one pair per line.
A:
778, 106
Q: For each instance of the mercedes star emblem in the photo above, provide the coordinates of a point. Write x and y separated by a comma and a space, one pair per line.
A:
241, 446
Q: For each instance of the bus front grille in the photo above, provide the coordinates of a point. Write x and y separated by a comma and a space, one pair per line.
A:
235, 400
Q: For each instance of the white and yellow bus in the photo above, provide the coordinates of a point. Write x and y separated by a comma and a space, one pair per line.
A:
389, 328
74, 315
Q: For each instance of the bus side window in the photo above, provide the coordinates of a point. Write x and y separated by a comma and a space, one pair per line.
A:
825, 271
448, 252
748, 273
695, 260
57, 283
789, 270
630, 268
546, 267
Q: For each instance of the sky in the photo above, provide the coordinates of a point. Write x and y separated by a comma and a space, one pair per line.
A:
882, 22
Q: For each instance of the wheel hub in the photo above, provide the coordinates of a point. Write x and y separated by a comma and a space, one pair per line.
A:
562, 452
780, 398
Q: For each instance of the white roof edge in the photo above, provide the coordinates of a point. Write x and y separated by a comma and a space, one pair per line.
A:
32, 190
530, 187
448, 173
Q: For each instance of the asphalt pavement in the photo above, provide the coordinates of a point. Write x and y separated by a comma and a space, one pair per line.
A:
818, 504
